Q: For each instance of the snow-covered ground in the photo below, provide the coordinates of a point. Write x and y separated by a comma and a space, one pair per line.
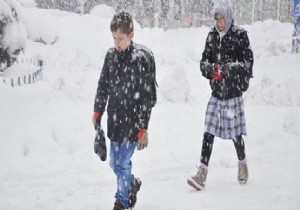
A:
46, 135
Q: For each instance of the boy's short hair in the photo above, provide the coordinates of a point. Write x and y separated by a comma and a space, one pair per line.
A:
122, 21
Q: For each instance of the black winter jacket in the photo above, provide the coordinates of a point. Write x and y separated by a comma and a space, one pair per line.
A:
125, 85
232, 51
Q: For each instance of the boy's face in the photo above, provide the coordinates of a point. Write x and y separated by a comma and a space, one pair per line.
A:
122, 40
220, 21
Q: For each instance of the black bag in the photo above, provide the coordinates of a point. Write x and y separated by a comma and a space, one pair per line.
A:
150, 60
152, 70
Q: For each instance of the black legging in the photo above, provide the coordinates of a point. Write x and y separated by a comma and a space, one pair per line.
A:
239, 145
207, 146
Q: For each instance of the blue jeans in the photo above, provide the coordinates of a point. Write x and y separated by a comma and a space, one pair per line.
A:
120, 155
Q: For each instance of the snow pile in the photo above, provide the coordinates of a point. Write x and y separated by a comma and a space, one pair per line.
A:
103, 11
40, 26
269, 43
46, 134
275, 69
27, 3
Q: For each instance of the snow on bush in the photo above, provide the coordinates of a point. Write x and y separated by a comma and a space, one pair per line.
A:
14, 35
5, 12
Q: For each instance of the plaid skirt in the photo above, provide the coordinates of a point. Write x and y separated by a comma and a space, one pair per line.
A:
225, 119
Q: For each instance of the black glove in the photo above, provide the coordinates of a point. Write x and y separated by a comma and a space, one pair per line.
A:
96, 120
100, 144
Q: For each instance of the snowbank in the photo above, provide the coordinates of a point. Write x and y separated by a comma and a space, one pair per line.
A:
270, 38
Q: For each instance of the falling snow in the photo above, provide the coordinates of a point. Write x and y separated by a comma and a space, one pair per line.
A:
46, 135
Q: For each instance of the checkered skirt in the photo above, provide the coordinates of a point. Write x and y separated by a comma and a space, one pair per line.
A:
225, 119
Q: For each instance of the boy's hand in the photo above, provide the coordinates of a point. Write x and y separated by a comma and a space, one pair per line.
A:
96, 119
142, 139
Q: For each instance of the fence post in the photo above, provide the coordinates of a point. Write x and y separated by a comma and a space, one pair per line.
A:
278, 10
22, 80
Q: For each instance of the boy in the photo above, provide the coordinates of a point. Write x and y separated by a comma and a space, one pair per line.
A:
127, 86
227, 63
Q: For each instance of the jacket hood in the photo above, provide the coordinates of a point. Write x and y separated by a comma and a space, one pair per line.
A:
223, 8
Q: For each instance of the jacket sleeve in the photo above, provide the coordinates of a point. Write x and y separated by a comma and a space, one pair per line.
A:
206, 63
242, 68
143, 94
102, 90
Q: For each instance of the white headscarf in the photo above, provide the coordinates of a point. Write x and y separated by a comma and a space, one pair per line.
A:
223, 8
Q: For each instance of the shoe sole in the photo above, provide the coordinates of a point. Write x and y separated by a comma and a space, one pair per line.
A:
242, 182
195, 185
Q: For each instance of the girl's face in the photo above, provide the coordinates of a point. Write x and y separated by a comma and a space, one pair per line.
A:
220, 22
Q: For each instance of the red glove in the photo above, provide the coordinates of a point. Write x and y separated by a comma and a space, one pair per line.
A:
220, 71
141, 134
142, 141
95, 118
216, 74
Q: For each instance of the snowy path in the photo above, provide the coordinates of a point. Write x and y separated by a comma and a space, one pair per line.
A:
57, 168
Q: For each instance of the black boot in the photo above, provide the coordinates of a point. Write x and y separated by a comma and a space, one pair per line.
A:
118, 205
135, 187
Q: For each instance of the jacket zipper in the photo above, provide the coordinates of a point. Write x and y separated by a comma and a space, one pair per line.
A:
223, 79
